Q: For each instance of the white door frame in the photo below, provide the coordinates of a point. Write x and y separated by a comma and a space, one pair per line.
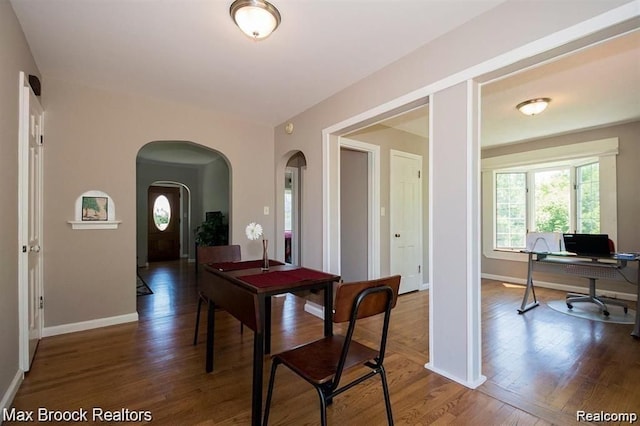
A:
23, 227
373, 208
331, 212
183, 188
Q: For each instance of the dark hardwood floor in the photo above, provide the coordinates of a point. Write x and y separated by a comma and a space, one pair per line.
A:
541, 367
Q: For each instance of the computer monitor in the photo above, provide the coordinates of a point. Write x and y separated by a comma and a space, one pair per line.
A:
587, 244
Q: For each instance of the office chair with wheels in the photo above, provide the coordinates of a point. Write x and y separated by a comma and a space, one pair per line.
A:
213, 254
601, 301
322, 363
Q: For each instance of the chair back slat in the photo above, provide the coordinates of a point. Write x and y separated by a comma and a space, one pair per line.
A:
375, 304
218, 254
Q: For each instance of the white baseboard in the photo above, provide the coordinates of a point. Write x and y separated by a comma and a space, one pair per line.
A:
88, 325
314, 309
470, 385
562, 287
8, 396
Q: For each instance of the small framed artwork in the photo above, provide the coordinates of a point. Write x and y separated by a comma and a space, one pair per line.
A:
95, 208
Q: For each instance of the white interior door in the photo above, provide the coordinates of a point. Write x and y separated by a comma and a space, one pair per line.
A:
406, 219
30, 223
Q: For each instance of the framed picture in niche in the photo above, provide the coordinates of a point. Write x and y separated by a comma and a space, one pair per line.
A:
95, 208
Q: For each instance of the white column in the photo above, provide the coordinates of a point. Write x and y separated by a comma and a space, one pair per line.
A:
454, 311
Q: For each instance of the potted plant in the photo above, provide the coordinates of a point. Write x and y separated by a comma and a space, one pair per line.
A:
214, 231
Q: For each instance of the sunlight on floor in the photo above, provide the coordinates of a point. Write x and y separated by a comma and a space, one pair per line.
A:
511, 285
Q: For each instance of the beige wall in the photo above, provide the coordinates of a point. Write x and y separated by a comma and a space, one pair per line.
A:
16, 57
628, 174
92, 140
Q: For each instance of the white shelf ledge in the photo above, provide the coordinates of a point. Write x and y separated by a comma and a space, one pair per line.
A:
98, 224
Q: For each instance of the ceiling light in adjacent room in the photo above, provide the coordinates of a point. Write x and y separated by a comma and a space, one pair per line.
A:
256, 18
533, 106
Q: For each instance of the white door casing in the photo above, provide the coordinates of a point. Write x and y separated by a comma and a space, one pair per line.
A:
405, 218
30, 183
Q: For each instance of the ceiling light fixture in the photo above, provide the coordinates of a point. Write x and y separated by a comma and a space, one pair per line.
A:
533, 106
256, 18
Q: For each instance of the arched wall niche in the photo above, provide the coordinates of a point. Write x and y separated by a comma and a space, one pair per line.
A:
205, 172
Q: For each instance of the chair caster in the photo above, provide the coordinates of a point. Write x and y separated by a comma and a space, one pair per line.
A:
606, 313
626, 310
569, 305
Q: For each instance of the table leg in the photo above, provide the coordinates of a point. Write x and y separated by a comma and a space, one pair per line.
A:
524, 307
328, 309
258, 366
210, 327
267, 325
259, 343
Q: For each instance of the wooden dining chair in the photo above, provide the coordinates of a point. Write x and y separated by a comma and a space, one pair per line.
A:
214, 254
323, 362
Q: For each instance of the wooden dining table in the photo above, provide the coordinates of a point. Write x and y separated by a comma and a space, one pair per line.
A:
244, 290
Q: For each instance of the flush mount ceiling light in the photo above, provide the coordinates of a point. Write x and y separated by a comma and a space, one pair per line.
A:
256, 18
533, 106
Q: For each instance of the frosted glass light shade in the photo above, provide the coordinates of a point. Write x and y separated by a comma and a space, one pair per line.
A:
533, 106
256, 18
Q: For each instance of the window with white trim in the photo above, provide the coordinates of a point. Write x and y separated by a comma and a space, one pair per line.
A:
544, 198
568, 188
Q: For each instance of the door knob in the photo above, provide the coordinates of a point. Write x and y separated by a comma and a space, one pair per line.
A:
35, 248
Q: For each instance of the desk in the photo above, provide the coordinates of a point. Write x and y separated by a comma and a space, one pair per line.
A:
244, 291
592, 268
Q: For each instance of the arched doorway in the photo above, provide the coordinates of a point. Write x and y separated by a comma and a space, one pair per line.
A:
202, 176
292, 207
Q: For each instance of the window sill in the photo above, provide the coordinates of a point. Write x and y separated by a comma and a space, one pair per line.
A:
505, 254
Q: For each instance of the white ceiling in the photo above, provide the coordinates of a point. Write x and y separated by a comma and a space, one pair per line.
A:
190, 51
597, 86
591, 88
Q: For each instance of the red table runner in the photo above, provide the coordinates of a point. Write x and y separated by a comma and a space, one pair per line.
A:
246, 264
268, 279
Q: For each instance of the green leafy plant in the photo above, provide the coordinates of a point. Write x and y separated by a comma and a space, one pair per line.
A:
213, 232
